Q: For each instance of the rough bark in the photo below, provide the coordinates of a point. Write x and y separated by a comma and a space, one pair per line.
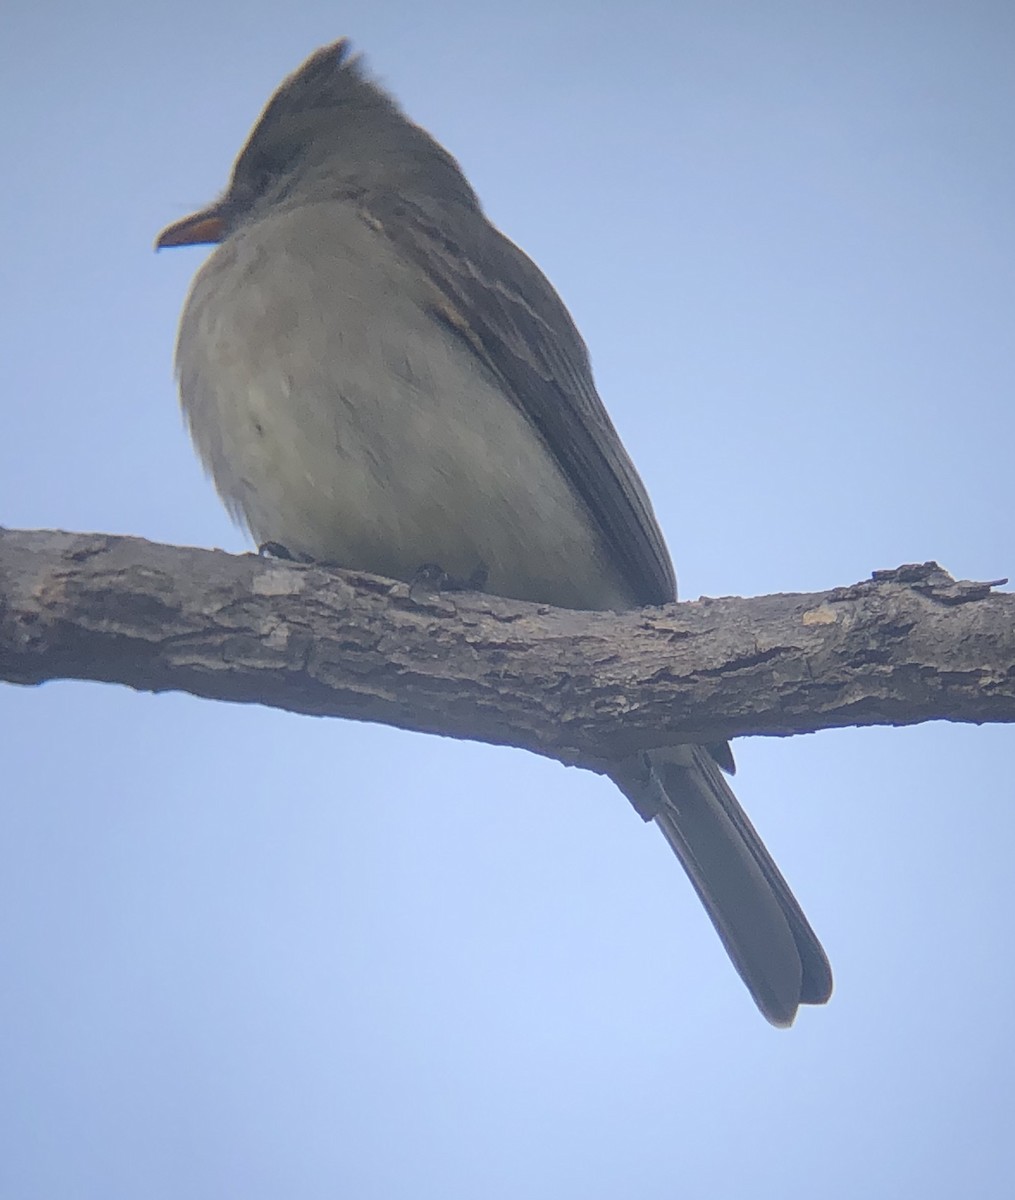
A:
908, 645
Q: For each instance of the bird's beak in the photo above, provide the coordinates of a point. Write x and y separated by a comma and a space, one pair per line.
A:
195, 230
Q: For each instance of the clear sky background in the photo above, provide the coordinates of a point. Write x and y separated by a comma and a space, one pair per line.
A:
247, 954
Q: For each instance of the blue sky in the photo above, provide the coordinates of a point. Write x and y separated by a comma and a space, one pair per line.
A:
251, 954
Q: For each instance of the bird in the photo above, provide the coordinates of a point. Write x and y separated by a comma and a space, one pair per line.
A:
375, 377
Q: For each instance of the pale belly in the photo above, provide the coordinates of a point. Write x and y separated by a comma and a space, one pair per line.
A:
340, 420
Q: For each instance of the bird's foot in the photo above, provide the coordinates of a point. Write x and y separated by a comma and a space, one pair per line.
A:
431, 580
277, 550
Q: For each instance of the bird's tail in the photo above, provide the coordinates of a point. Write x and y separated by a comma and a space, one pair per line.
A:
763, 928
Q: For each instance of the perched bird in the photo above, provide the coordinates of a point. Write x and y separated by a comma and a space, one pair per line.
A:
377, 378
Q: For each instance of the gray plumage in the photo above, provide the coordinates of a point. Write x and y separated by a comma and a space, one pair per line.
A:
376, 377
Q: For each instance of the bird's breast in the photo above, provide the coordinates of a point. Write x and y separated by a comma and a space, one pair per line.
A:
340, 418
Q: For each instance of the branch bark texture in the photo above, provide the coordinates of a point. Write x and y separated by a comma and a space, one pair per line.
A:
908, 645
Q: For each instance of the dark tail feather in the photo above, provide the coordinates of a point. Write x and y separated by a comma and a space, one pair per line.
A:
755, 914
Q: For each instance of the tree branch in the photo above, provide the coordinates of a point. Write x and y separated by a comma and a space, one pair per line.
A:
909, 645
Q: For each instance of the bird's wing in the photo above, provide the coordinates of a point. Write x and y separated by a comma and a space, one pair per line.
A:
501, 306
